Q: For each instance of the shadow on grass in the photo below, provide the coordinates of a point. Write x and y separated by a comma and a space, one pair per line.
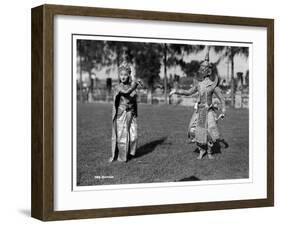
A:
149, 147
191, 178
217, 146
216, 149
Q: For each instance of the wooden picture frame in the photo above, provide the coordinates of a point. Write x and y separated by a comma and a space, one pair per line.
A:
42, 203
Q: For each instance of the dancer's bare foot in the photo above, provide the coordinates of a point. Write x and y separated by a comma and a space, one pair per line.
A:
210, 145
210, 156
111, 159
201, 154
121, 160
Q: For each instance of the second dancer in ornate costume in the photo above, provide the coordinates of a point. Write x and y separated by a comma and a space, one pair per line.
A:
203, 127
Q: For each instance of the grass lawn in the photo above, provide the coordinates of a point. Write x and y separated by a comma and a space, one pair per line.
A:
163, 154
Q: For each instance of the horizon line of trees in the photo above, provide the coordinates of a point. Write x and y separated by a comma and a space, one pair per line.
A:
148, 58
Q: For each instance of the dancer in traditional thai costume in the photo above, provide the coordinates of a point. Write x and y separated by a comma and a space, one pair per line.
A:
203, 127
124, 116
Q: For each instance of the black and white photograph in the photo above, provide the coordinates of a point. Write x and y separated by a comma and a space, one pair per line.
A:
151, 110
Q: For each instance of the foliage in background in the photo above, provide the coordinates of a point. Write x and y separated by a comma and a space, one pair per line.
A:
148, 58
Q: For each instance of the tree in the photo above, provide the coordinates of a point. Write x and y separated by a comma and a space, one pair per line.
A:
147, 60
144, 56
172, 55
91, 56
233, 51
91, 52
230, 52
165, 50
191, 68
115, 51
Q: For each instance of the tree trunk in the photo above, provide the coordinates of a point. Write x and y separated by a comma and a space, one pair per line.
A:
232, 82
90, 79
81, 82
165, 73
118, 58
149, 95
90, 88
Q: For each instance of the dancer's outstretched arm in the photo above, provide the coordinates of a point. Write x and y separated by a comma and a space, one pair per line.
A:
188, 92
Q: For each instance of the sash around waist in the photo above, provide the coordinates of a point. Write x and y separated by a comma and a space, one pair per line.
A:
209, 107
126, 108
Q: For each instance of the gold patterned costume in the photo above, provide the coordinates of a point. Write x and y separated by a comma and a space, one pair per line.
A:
124, 118
203, 127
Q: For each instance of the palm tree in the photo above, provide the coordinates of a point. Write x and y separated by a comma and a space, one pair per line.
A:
173, 55
230, 52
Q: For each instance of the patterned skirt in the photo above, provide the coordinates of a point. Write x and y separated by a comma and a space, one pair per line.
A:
203, 126
125, 129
